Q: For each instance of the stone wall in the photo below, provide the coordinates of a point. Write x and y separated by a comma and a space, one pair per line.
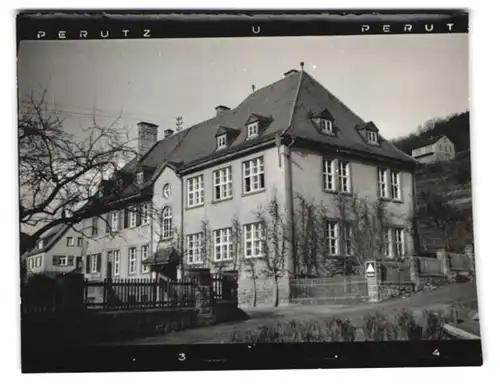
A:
388, 290
265, 291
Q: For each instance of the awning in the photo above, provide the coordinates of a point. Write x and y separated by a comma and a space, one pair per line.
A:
163, 257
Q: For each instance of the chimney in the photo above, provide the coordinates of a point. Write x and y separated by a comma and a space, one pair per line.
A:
167, 133
221, 109
291, 72
148, 136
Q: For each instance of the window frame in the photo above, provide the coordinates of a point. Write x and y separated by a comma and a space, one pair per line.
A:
385, 183
93, 263
253, 130
196, 193
167, 190
144, 215
225, 237
372, 137
144, 268
114, 222
388, 243
399, 244
194, 248
116, 262
334, 240
332, 176
228, 172
259, 164
140, 178
326, 126
346, 175
221, 141
167, 218
255, 243
70, 241
396, 185
133, 217
132, 261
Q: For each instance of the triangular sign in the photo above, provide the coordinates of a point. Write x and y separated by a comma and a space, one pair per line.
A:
370, 268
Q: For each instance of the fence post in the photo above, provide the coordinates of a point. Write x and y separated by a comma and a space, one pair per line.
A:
204, 298
414, 271
372, 280
469, 252
443, 260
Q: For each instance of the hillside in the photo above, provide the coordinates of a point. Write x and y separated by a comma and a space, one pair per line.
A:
455, 127
444, 197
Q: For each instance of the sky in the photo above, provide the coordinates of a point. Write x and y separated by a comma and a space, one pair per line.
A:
397, 81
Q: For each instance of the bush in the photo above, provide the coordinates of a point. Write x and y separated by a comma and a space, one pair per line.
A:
378, 326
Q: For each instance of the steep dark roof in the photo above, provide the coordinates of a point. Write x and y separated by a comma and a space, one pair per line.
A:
49, 239
426, 140
288, 103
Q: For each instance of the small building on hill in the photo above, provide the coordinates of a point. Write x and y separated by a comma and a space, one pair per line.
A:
433, 148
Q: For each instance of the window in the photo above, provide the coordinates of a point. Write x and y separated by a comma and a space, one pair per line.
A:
348, 250
133, 217
116, 262
332, 237
93, 263
395, 185
382, 183
195, 191
388, 243
223, 244
372, 137
132, 261
144, 256
253, 129
223, 184
31, 263
94, 226
61, 261
79, 241
38, 261
167, 191
70, 241
114, 221
194, 248
166, 223
399, 249
326, 126
329, 182
221, 141
40, 244
254, 239
140, 178
336, 173
144, 214
253, 175
344, 177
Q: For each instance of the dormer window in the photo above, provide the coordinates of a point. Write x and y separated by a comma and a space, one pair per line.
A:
372, 137
324, 121
326, 126
140, 178
40, 244
221, 141
253, 129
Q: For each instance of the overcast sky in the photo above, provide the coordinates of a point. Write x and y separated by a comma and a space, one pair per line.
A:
397, 81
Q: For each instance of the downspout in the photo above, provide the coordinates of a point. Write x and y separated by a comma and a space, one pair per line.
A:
182, 227
284, 143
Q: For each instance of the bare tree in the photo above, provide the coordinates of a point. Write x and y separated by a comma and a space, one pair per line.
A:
60, 172
274, 239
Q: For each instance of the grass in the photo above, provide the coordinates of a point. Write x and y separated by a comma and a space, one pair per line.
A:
378, 326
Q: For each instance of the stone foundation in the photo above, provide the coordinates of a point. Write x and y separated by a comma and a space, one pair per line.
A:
264, 289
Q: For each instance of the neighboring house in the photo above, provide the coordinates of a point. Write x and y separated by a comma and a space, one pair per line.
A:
59, 251
432, 149
291, 137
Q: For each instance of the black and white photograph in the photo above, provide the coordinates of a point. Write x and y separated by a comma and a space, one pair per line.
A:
200, 194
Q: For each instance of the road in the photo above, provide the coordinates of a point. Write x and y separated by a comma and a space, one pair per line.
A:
220, 333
